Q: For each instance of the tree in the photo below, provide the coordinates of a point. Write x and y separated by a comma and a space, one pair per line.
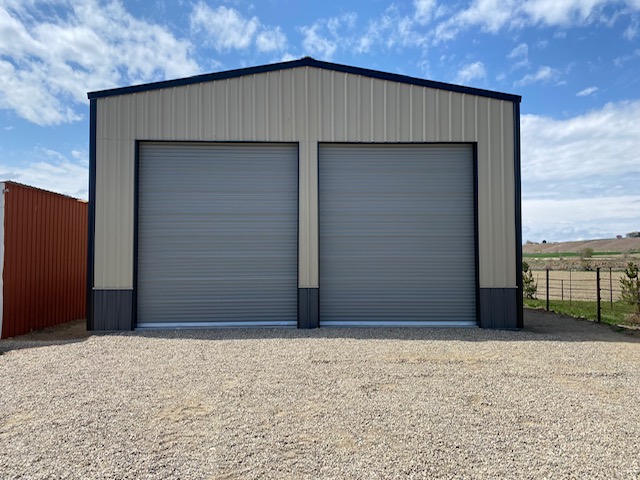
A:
631, 286
529, 287
585, 254
633, 235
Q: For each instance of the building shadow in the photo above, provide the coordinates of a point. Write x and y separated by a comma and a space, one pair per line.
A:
539, 325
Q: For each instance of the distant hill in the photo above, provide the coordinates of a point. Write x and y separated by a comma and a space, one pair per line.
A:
603, 245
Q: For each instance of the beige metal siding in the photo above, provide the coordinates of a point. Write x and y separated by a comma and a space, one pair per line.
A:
305, 105
114, 214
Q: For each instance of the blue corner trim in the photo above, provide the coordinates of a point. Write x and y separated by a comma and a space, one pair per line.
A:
93, 115
518, 219
305, 62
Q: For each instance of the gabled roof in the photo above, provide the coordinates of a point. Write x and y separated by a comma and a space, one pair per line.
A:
304, 62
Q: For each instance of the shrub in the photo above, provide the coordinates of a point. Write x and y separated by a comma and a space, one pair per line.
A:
631, 286
529, 287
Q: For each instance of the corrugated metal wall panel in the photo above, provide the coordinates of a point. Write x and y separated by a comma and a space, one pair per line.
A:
405, 115
487, 170
303, 105
416, 105
508, 192
430, 119
457, 118
396, 234
444, 116
114, 215
469, 126
495, 205
307, 233
216, 244
497, 196
45, 259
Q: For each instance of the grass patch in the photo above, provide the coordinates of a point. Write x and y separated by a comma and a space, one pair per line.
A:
567, 254
619, 314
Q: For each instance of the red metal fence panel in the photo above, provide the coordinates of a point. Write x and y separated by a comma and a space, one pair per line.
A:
45, 259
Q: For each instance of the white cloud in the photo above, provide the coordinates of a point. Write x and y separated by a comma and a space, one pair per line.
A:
394, 29
31, 94
519, 52
425, 10
397, 27
580, 218
587, 91
52, 61
80, 155
472, 71
489, 15
225, 27
287, 57
520, 56
347, 20
52, 171
495, 15
601, 142
631, 32
544, 74
323, 38
563, 12
620, 61
315, 44
271, 40
580, 175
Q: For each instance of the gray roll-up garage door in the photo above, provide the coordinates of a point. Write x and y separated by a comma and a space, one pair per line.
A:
397, 243
217, 235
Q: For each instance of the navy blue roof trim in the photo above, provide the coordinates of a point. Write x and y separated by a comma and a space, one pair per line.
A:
305, 62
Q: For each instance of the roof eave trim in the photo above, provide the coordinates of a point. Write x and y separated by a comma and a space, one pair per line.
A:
304, 62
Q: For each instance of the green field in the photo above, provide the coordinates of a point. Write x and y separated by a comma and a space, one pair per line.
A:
568, 254
619, 314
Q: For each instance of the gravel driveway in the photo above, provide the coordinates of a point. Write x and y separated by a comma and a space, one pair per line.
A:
559, 400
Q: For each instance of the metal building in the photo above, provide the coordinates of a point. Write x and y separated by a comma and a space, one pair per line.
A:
43, 259
304, 194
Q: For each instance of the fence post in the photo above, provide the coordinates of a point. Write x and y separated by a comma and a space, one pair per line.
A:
547, 289
598, 291
562, 290
569, 287
610, 289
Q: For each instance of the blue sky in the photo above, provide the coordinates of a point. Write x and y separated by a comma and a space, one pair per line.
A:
575, 62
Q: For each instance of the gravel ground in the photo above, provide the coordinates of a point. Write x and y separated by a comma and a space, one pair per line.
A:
559, 400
